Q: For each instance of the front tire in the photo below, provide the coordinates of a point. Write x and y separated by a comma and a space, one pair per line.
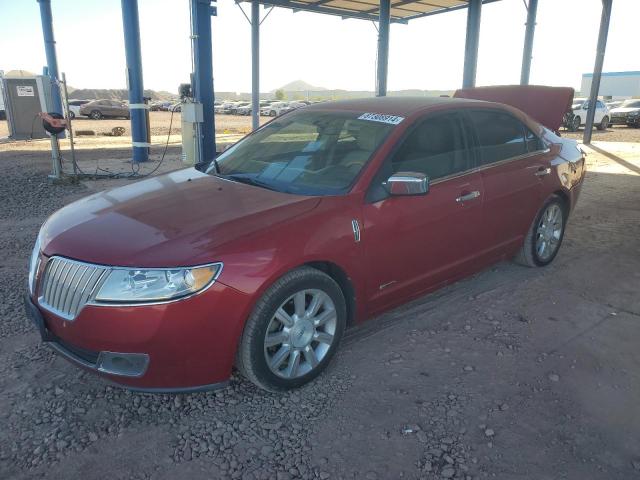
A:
543, 240
603, 124
294, 331
96, 115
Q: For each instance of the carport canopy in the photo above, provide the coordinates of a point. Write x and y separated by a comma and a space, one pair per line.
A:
401, 11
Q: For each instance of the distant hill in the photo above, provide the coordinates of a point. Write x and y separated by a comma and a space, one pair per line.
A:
115, 94
300, 86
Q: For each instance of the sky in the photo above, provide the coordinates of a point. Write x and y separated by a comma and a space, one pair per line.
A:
322, 50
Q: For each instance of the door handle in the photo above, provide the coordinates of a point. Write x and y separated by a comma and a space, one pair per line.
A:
468, 196
541, 172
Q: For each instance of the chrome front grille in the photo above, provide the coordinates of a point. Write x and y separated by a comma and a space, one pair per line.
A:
67, 286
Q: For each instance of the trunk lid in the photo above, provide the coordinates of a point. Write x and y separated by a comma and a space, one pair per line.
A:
546, 105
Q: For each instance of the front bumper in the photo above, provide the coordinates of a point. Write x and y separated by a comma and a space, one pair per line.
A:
633, 120
182, 346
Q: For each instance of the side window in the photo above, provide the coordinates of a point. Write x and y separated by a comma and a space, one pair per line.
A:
534, 144
500, 136
436, 148
599, 104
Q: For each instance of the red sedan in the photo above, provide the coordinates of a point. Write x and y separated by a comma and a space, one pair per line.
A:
320, 219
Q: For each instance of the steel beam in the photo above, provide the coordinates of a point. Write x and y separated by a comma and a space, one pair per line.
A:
131, 28
597, 69
255, 64
383, 47
471, 44
201, 12
527, 50
50, 51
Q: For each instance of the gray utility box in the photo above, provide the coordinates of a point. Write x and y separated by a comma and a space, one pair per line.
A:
24, 98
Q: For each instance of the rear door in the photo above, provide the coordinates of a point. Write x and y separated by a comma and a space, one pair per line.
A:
416, 243
513, 163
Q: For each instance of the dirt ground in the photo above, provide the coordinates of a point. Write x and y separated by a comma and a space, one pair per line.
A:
514, 373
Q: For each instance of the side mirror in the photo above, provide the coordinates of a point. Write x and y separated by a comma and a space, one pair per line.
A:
408, 183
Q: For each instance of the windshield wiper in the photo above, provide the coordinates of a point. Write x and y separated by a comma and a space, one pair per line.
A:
249, 181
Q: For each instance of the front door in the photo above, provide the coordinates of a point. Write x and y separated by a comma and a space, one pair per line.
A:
416, 243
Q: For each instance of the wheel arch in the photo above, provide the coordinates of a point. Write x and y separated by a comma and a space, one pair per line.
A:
338, 274
564, 196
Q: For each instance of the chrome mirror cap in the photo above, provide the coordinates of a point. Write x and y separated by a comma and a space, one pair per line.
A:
408, 183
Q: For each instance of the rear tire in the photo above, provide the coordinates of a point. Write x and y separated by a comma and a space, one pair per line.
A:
72, 115
293, 331
96, 115
575, 124
604, 123
544, 238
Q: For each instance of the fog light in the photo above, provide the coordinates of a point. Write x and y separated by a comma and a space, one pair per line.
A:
123, 364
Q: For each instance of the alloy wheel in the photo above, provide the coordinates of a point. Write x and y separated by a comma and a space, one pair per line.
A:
549, 232
300, 333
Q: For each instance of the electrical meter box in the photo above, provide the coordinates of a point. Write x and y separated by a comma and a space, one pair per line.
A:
25, 97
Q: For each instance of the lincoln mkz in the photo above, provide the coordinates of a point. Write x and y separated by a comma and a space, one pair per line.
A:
318, 220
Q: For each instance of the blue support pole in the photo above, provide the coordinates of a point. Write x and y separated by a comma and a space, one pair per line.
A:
50, 51
527, 51
131, 27
603, 34
201, 12
383, 47
471, 44
255, 64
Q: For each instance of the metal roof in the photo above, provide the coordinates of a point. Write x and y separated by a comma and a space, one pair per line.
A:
401, 10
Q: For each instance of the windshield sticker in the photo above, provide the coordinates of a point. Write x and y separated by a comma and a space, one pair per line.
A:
379, 117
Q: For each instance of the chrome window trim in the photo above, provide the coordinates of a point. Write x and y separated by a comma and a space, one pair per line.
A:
104, 275
498, 163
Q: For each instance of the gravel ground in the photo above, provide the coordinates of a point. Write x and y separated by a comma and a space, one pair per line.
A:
544, 361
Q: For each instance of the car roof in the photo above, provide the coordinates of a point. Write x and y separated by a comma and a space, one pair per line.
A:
401, 106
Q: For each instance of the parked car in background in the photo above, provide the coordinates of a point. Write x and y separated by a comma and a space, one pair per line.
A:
246, 109
225, 107
160, 106
233, 110
74, 107
577, 116
628, 113
613, 104
275, 109
293, 105
176, 107
329, 216
99, 109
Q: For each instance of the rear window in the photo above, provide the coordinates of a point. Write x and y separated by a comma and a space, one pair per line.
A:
500, 136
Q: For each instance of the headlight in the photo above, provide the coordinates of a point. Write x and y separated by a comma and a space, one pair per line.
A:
34, 262
124, 285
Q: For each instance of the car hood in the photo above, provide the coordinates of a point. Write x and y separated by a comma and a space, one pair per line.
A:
546, 105
625, 109
179, 219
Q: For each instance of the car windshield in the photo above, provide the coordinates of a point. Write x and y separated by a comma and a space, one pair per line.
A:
631, 103
306, 153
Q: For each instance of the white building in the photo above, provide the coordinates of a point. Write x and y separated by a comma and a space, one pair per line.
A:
614, 85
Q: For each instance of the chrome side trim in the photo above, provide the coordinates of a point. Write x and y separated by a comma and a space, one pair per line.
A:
488, 166
355, 226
